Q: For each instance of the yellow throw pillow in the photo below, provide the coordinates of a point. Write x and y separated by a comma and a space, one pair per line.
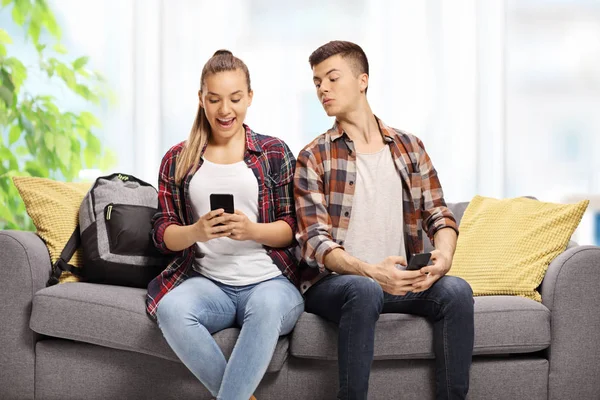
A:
54, 208
505, 246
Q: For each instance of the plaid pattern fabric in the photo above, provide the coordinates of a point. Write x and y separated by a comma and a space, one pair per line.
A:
324, 188
273, 165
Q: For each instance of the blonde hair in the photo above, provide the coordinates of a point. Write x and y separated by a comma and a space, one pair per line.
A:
189, 158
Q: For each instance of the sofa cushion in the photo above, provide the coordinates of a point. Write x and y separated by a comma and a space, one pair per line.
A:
506, 245
115, 316
54, 209
503, 324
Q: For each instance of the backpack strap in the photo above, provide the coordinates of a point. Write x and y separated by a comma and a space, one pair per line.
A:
62, 264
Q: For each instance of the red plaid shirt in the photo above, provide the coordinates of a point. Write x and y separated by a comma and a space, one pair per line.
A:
324, 189
273, 165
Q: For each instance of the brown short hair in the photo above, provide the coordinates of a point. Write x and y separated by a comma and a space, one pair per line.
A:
348, 50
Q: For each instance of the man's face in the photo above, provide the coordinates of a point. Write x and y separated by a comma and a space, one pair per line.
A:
338, 88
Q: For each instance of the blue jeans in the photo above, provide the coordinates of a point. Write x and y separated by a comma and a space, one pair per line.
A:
189, 315
355, 303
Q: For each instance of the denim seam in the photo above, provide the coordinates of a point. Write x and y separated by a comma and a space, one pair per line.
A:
403, 300
446, 359
348, 353
290, 311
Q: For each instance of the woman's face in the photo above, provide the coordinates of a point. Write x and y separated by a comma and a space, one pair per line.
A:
225, 99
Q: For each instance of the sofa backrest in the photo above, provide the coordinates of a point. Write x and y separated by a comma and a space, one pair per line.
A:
458, 209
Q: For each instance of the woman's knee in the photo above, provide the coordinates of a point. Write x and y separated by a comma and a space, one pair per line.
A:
274, 300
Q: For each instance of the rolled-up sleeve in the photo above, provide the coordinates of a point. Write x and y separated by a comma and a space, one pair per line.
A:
284, 190
166, 214
436, 215
314, 222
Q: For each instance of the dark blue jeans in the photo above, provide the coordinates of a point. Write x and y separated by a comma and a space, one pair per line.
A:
355, 303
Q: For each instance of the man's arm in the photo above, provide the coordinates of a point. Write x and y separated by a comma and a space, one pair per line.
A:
441, 257
435, 214
445, 243
314, 222
391, 279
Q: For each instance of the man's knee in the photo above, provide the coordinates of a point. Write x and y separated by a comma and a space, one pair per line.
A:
365, 293
456, 292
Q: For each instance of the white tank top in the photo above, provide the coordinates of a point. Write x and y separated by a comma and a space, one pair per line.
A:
229, 261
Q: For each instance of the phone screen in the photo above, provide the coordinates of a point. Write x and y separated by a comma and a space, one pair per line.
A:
222, 200
418, 261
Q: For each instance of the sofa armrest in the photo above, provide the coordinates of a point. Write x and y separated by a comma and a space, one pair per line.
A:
571, 291
24, 269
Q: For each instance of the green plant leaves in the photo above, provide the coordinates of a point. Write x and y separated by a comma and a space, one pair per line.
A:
80, 62
14, 134
5, 37
6, 96
60, 48
38, 135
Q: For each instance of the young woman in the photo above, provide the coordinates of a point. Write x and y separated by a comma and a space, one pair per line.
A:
231, 269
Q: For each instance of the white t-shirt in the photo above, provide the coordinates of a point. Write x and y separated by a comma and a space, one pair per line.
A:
229, 261
376, 228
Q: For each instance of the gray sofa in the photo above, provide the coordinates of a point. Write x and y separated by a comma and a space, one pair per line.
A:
89, 341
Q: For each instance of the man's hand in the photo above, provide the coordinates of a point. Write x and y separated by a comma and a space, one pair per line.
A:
440, 267
240, 227
393, 280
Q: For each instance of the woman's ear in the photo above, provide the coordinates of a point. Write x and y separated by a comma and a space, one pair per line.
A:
200, 98
250, 95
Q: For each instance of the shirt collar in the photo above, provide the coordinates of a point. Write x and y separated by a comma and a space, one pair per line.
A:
252, 143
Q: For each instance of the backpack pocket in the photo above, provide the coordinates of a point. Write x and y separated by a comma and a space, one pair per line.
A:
128, 229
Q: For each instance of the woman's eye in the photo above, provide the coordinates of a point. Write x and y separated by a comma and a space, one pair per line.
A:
317, 85
235, 101
333, 79
213, 101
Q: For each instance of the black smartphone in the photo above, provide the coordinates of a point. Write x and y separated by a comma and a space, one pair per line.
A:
222, 200
418, 261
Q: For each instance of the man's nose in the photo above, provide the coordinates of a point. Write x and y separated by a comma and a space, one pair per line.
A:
324, 88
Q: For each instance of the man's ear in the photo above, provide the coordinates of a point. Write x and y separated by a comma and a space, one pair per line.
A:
364, 82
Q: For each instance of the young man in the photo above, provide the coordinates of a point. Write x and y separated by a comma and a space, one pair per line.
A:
364, 192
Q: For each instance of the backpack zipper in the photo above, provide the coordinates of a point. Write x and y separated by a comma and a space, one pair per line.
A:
108, 211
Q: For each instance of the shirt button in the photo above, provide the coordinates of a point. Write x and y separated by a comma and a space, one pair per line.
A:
351, 183
346, 214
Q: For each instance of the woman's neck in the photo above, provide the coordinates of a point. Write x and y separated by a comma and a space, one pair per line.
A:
226, 150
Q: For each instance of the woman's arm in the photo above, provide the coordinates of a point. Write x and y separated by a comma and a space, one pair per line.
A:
280, 232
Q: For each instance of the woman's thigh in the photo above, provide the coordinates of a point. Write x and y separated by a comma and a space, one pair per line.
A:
276, 302
197, 300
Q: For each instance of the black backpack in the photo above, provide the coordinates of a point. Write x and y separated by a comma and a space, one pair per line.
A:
114, 234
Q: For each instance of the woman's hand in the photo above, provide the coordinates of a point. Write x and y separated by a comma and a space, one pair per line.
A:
207, 228
239, 227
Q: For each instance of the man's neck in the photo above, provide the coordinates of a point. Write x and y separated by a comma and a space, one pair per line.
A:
362, 128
